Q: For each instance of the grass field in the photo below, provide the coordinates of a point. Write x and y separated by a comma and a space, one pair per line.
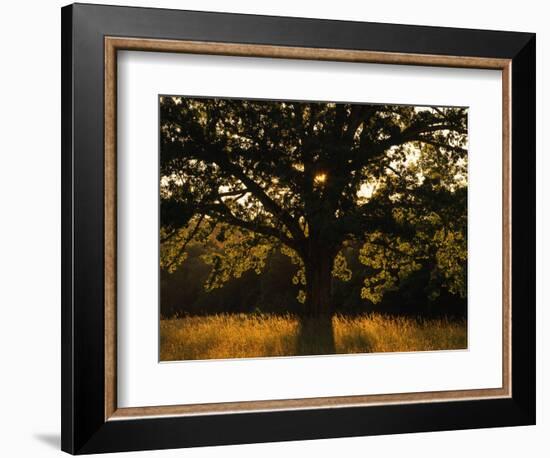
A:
258, 335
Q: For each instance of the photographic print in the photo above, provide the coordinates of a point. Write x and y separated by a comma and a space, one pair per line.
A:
296, 228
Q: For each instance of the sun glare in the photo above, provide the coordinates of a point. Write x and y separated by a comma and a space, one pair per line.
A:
320, 178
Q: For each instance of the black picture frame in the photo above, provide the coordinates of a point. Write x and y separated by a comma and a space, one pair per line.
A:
84, 428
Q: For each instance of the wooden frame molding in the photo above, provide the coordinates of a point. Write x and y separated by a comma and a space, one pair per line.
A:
112, 45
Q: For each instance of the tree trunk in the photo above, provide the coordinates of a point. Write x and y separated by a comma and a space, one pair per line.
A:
318, 269
316, 334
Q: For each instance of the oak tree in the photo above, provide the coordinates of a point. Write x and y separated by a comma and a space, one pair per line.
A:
310, 178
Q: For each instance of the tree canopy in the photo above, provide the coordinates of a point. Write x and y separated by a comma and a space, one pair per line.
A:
308, 179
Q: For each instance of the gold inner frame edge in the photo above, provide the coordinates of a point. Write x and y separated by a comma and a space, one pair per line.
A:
114, 44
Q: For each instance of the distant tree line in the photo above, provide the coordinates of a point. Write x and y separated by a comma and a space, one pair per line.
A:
271, 291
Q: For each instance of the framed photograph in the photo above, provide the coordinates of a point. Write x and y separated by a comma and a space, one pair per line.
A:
281, 228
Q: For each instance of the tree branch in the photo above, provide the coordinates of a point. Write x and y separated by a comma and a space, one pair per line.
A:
406, 136
457, 149
186, 242
269, 204
223, 213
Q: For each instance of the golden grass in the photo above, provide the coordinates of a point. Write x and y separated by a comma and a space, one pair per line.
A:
258, 335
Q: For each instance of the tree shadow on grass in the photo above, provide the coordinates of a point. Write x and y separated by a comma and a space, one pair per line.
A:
354, 342
316, 337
